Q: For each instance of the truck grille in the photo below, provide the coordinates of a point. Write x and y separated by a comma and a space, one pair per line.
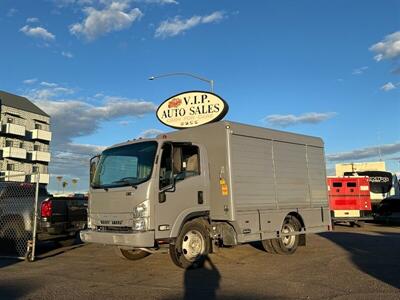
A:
114, 229
107, 222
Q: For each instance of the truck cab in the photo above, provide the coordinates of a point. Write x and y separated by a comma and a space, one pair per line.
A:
142, 192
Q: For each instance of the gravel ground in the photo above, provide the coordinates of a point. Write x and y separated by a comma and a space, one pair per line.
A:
349, 263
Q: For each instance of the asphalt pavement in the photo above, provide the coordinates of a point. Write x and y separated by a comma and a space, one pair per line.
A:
348, 263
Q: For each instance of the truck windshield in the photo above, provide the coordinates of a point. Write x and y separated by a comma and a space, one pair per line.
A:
125, 165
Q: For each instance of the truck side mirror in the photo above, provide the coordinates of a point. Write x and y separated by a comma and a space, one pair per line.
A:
172, 187
93, 166
169, 188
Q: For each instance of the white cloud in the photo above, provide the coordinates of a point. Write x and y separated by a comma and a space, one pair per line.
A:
84, 149
50, 90
388, 48
99, 95
307, 118
74, 118
150, 133
388, 87
214, 17
65, 3
32, 20
38, 32
48, 84
67, 54
30, 81
360, 71
73, 162
177, 25
115, 16
363, 153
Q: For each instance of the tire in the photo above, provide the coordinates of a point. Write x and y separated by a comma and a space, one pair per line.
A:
70, 241
356, 224
191, 246
67, 243
360, 223
267, 245
287, 245
134, 254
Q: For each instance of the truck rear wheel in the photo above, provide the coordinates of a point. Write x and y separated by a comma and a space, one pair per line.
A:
287, 244
267, 245
134, 254
192, 245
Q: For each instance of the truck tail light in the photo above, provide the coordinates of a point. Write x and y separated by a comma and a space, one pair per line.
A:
47, 208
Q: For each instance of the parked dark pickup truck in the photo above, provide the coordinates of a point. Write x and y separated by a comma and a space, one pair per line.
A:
62, 217
389, 210
59, 218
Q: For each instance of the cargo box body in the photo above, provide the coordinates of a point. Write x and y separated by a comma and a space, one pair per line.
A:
258, 176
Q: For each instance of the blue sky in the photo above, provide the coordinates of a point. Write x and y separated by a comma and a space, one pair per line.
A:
324, 68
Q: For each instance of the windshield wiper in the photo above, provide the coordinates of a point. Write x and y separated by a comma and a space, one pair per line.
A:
126, 180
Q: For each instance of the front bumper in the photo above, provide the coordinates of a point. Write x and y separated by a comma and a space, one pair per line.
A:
136, 240
351, 215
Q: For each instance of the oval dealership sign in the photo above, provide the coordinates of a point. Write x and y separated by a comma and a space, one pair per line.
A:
190, 109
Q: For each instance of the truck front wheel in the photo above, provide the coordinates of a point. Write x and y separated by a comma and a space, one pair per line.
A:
192, 245
134, 254
287, 244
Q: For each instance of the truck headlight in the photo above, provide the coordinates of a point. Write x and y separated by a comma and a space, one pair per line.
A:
141, 210
141, 216
140, 224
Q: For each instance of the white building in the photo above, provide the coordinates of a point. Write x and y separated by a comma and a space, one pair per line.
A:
361, 166
24, 140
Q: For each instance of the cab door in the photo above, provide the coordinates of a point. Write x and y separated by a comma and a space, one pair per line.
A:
183, 187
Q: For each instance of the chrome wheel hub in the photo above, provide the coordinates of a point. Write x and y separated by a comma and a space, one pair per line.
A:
289, 240
193, 245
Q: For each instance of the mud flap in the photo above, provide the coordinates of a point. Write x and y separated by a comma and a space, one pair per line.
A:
302, 240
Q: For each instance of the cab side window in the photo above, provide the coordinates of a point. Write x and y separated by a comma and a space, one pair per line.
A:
186, 162
178, 163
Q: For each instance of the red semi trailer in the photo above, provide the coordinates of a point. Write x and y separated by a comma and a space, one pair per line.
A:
349, 199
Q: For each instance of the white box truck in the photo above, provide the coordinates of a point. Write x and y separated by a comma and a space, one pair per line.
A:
220, 184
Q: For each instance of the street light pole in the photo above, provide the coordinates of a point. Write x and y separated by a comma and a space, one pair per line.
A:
211, 82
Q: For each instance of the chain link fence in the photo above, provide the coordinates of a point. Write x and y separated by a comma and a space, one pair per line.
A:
18, 212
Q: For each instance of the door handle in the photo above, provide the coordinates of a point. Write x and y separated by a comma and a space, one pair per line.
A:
200, 199
162, 197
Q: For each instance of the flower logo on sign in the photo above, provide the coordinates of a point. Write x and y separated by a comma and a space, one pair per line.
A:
174, 103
